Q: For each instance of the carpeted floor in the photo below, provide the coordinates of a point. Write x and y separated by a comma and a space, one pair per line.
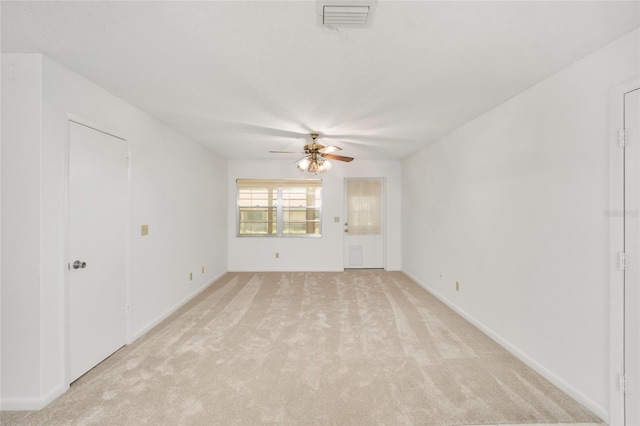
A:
344, 348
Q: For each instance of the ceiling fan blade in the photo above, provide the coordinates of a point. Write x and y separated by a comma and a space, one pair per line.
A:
329, 149
239, 128
338, 157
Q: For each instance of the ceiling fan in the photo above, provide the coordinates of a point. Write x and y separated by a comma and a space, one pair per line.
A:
315, 159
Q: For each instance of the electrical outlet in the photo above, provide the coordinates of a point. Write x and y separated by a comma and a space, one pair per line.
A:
203, 269
190, 276
441, 276
144, 230
457, 286
277, 255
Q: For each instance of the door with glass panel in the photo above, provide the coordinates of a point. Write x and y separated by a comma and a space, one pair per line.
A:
364, 224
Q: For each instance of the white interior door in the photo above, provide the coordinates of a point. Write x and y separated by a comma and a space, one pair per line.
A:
632, 251
98, 206
364, 224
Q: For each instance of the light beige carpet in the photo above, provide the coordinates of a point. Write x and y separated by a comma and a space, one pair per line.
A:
352, 348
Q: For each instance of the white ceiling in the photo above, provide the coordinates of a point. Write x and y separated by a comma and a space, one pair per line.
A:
245, 77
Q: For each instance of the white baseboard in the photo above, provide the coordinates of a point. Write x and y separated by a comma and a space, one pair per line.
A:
286, 270
31, 404
587, 402
144, 330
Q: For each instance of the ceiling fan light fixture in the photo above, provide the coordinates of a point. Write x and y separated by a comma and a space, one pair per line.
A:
314, 165
303, 164
324, 166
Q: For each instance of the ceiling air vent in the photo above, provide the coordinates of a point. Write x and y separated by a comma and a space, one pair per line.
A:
345, 14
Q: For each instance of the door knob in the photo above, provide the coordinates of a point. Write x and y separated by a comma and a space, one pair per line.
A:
78, 264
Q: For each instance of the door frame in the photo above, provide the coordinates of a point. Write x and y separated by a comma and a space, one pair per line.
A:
616, 245
383, 212
128, 248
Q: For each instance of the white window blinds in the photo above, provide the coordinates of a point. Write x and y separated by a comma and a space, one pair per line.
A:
279, 207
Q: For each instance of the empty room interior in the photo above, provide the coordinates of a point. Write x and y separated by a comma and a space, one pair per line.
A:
320, 212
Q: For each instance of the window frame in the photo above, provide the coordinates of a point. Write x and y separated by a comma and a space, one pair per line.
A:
276, 188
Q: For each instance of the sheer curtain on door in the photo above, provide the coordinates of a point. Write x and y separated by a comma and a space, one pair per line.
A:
364, 207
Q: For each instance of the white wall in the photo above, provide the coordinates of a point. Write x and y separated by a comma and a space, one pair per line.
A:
20, 346
311, 254
176, 187
512, 205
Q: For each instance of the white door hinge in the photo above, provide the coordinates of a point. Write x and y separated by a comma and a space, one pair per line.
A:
622, 383
622, 261
622, 138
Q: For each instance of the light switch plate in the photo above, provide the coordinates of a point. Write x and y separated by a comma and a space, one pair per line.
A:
144, 230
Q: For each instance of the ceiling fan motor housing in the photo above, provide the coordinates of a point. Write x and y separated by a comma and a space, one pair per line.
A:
313, 147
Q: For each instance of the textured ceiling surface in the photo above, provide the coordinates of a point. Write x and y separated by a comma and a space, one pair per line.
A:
246, 77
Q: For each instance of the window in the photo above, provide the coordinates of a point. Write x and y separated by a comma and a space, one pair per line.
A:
279, 207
